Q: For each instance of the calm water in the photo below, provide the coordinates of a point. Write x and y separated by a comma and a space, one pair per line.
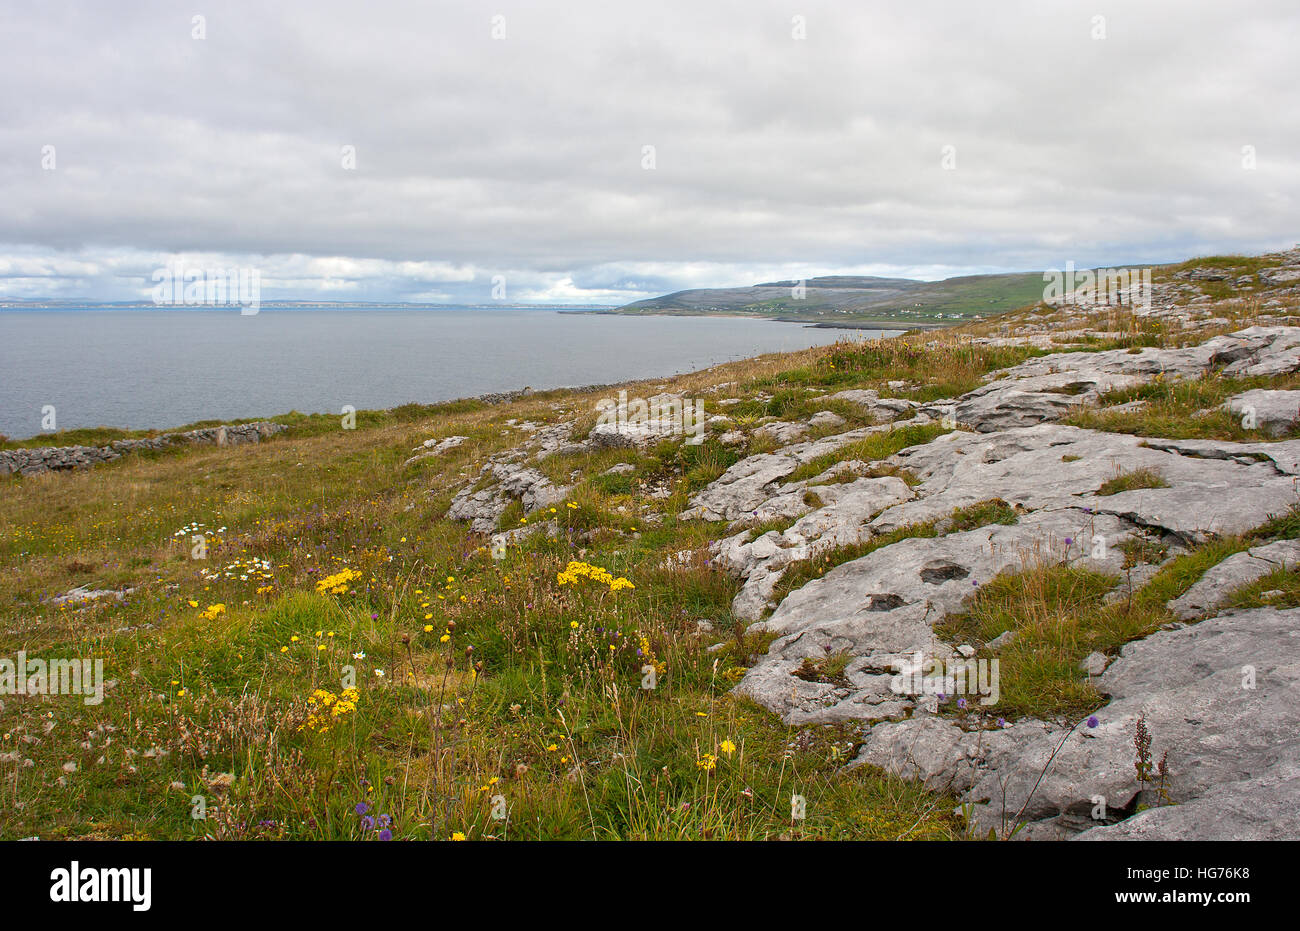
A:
165, 368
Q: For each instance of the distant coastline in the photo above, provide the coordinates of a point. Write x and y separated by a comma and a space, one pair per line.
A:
855, 324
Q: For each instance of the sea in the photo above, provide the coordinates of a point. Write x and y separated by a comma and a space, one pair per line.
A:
161, 368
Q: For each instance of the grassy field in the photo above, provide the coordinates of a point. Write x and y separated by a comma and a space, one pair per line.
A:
479, 682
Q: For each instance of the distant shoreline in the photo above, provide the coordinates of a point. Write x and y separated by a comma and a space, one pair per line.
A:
903, 325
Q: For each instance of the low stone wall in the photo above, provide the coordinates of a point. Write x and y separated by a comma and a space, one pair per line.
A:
61, 458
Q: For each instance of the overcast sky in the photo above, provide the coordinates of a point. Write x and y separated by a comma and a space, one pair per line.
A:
524, 155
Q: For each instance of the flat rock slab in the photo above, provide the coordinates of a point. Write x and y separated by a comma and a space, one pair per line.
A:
1214, 487
1238, 570
879, 409
847, 508
881, 608
1222, 698
784, 432
745, 486
1049, 387
1275, 412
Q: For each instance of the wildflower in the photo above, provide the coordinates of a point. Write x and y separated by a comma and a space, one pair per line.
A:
582, 570
362, 808
386, 834
456, 835
337, 584
727, 747
428, 628
1092, 720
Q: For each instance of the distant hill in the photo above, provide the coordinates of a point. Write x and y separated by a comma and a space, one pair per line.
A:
839, 300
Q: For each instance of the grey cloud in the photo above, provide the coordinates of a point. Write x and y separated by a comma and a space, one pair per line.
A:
522, 156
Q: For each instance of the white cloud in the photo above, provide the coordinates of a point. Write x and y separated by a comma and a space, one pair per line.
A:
775, 158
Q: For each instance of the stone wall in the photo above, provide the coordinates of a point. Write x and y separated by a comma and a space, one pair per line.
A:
60, 458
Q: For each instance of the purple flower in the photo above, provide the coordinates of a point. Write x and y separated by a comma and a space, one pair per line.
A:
942, 697
362, 807
367, 823
961, 703
385, 821
385, 834
1092, 720
1002, 722
1069, 540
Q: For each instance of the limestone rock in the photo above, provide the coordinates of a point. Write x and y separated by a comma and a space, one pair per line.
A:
483, 508
881, 608
37, 460
1047, 388
825, 419
1233, 752
1094, 664
784, 432
1214, 487
752, 481
1238, 570
1274, 412
841, 520
880, 409
435, 447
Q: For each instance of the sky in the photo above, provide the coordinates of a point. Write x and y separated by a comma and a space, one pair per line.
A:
600, 152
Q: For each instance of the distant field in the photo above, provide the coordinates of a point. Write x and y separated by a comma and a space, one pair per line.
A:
846, 299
